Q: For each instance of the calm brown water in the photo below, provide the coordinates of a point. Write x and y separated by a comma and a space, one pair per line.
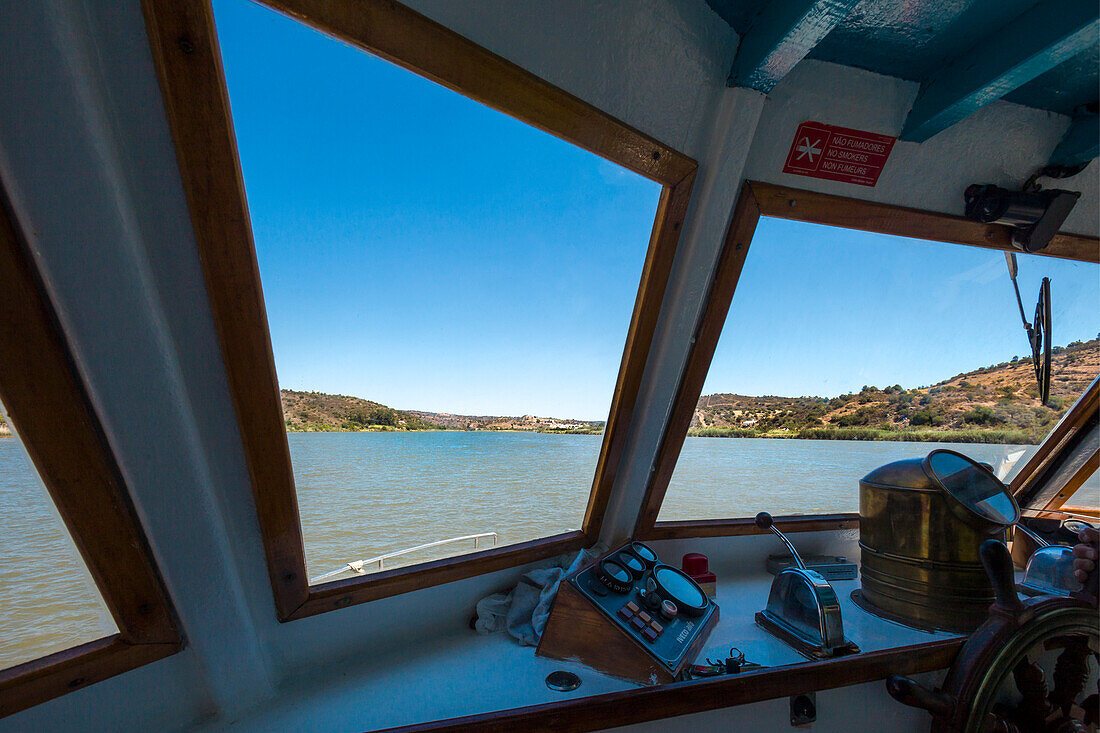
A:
365, 494
48, 601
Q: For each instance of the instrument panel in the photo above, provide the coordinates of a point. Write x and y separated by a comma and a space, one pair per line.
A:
658, 606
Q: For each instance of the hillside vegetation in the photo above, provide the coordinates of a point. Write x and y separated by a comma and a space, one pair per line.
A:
994, 404
319, 412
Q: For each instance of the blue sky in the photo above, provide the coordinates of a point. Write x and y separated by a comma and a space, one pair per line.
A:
419, 249
823, 311
426, 252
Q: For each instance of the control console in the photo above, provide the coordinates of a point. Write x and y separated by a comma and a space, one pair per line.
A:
631, 615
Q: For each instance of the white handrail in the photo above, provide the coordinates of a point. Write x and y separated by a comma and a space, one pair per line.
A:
357, 566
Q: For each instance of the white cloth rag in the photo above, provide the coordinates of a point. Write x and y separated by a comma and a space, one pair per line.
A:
524, 610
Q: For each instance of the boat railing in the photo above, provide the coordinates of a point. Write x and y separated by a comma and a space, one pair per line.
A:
359, 567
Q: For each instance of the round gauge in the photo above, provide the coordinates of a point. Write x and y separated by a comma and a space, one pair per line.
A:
630, 562
674, 585
643, 553
615, 576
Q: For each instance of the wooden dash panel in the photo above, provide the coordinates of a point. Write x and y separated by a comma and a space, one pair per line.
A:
599, 712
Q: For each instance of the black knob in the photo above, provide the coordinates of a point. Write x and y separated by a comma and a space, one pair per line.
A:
764, 520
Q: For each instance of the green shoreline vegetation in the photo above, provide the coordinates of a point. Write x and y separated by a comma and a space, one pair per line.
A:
391, 429
359, 428
1007, 437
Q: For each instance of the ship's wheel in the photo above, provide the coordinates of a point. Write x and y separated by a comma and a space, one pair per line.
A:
1032, 667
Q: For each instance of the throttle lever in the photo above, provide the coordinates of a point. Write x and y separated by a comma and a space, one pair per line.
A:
765, 521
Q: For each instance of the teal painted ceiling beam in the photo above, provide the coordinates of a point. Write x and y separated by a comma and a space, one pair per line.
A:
1041, 38
780, 36
1080, 144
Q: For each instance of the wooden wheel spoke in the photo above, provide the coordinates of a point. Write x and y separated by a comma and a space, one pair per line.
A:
1091, 706
1071, 671
1031, 682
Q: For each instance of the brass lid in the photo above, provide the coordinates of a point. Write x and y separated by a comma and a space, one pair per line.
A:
907, 474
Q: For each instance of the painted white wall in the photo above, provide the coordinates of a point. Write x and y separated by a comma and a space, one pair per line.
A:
86, 156
658, 66
1002, 143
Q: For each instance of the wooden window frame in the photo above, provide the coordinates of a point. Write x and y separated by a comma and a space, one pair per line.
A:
756, 200
52, 414
188, 63
1064, 441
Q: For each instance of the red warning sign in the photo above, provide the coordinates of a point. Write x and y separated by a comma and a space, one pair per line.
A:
838, 153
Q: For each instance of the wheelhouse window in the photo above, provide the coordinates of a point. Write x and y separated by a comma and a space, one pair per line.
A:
80, 596
845, 350
447, 291
48, 601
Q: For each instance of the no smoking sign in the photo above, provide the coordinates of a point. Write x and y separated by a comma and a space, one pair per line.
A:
838, 153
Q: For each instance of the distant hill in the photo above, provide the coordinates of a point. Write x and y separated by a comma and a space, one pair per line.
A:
317, 411
995, 404
320, 412
998, 403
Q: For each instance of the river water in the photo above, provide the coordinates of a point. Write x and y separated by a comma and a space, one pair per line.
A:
366, 494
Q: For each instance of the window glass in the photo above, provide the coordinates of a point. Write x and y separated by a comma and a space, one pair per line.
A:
448, 292
48, 601
1087, 495
843, 351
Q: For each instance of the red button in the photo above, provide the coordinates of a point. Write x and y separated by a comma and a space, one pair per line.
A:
650, 634
638, 623
626, 613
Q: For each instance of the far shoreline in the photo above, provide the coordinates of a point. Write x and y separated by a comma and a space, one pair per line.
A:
960, 437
